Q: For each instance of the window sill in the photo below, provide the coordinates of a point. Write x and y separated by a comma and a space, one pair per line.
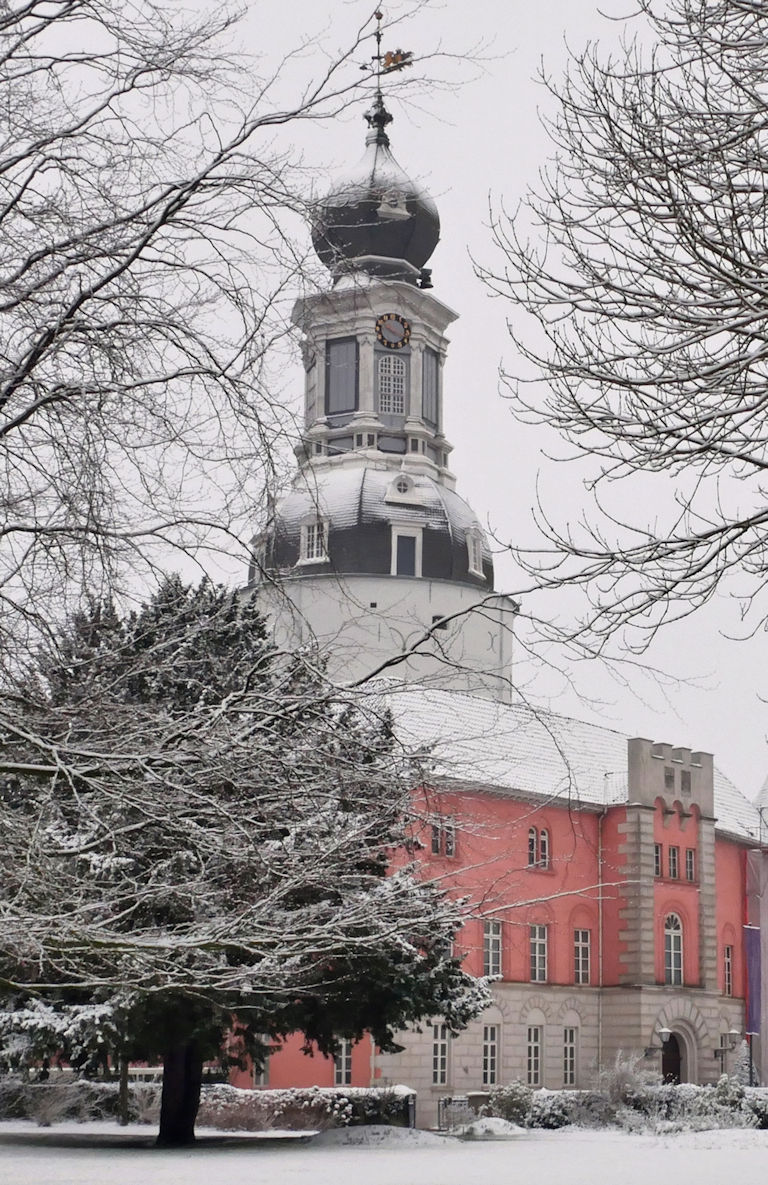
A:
324, 559
547, 869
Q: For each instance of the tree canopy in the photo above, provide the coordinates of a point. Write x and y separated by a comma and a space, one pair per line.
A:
641, 261
198, 835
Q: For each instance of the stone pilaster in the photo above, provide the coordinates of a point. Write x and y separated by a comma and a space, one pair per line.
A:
636, 935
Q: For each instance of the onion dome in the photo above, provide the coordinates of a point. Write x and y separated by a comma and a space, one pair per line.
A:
361, 507
377, 220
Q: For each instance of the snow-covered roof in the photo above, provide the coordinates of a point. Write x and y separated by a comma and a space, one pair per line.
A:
517, 749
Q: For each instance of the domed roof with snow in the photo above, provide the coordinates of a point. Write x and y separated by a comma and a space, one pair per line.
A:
360, 506
377, 220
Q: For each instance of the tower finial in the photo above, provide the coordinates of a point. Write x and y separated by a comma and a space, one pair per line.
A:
377, 117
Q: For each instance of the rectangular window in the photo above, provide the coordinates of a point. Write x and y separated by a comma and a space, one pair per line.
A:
569, 1056
444, 837
430, 378
690, 864
728, 971
685, 781
341, 371
534, 1055
475, 552
581, 956
657, 859
314, 541
492, 948
674, 862
439, 1055
669, 777
406, 551
490, 1054
342, 1064
406, 555
538, 941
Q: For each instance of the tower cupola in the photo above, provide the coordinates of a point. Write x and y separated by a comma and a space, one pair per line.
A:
376, 220
373, 553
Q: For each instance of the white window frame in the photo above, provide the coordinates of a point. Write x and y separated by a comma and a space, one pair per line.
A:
490, 1055
390, 400
342, 1063
440, 1038
728, 969
492, 951
443, 836
673, 858
409, 532
658, 859
474, 540
544, 848
534, 1052
570, 1054
673, 951
261, 1077
538, 953
533, 847
582, 943
690, 864
310, 552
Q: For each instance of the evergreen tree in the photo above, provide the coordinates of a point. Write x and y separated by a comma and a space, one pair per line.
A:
202, 839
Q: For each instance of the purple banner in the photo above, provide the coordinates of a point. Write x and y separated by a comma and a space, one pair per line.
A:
752, 954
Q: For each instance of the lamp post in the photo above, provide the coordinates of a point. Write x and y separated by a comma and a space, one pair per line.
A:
663, 1034
728, 1042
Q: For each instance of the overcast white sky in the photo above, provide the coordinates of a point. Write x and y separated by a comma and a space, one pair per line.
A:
480, 138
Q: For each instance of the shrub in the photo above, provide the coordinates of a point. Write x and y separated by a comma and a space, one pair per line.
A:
315, 1108
512, 1102
551, 1109
46, 1103
756, 1100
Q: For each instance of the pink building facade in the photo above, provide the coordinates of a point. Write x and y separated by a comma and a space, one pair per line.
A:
608, 910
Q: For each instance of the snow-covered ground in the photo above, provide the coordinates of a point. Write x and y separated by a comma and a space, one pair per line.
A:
103, 1154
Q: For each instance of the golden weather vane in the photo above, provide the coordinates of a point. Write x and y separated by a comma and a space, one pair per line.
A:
378, 117
393, 59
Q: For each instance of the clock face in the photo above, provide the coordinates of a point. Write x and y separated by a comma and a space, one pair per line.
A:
393, 331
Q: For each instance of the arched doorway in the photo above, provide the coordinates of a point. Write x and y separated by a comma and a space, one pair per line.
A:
671, 1060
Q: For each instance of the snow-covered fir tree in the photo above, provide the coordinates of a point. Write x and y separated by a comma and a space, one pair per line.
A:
200, 838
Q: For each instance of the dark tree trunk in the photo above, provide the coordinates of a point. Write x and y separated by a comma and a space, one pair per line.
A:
182, 1077
122, 1092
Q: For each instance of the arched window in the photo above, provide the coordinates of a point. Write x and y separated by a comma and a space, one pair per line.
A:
532, 847
539, 852
391, 383
673, 950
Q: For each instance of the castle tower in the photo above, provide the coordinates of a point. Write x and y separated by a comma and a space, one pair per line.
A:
373, 554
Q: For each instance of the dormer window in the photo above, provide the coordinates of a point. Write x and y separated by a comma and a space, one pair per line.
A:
403, 489
314, 541
391, 380
258, 562
406, 551
475, 552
